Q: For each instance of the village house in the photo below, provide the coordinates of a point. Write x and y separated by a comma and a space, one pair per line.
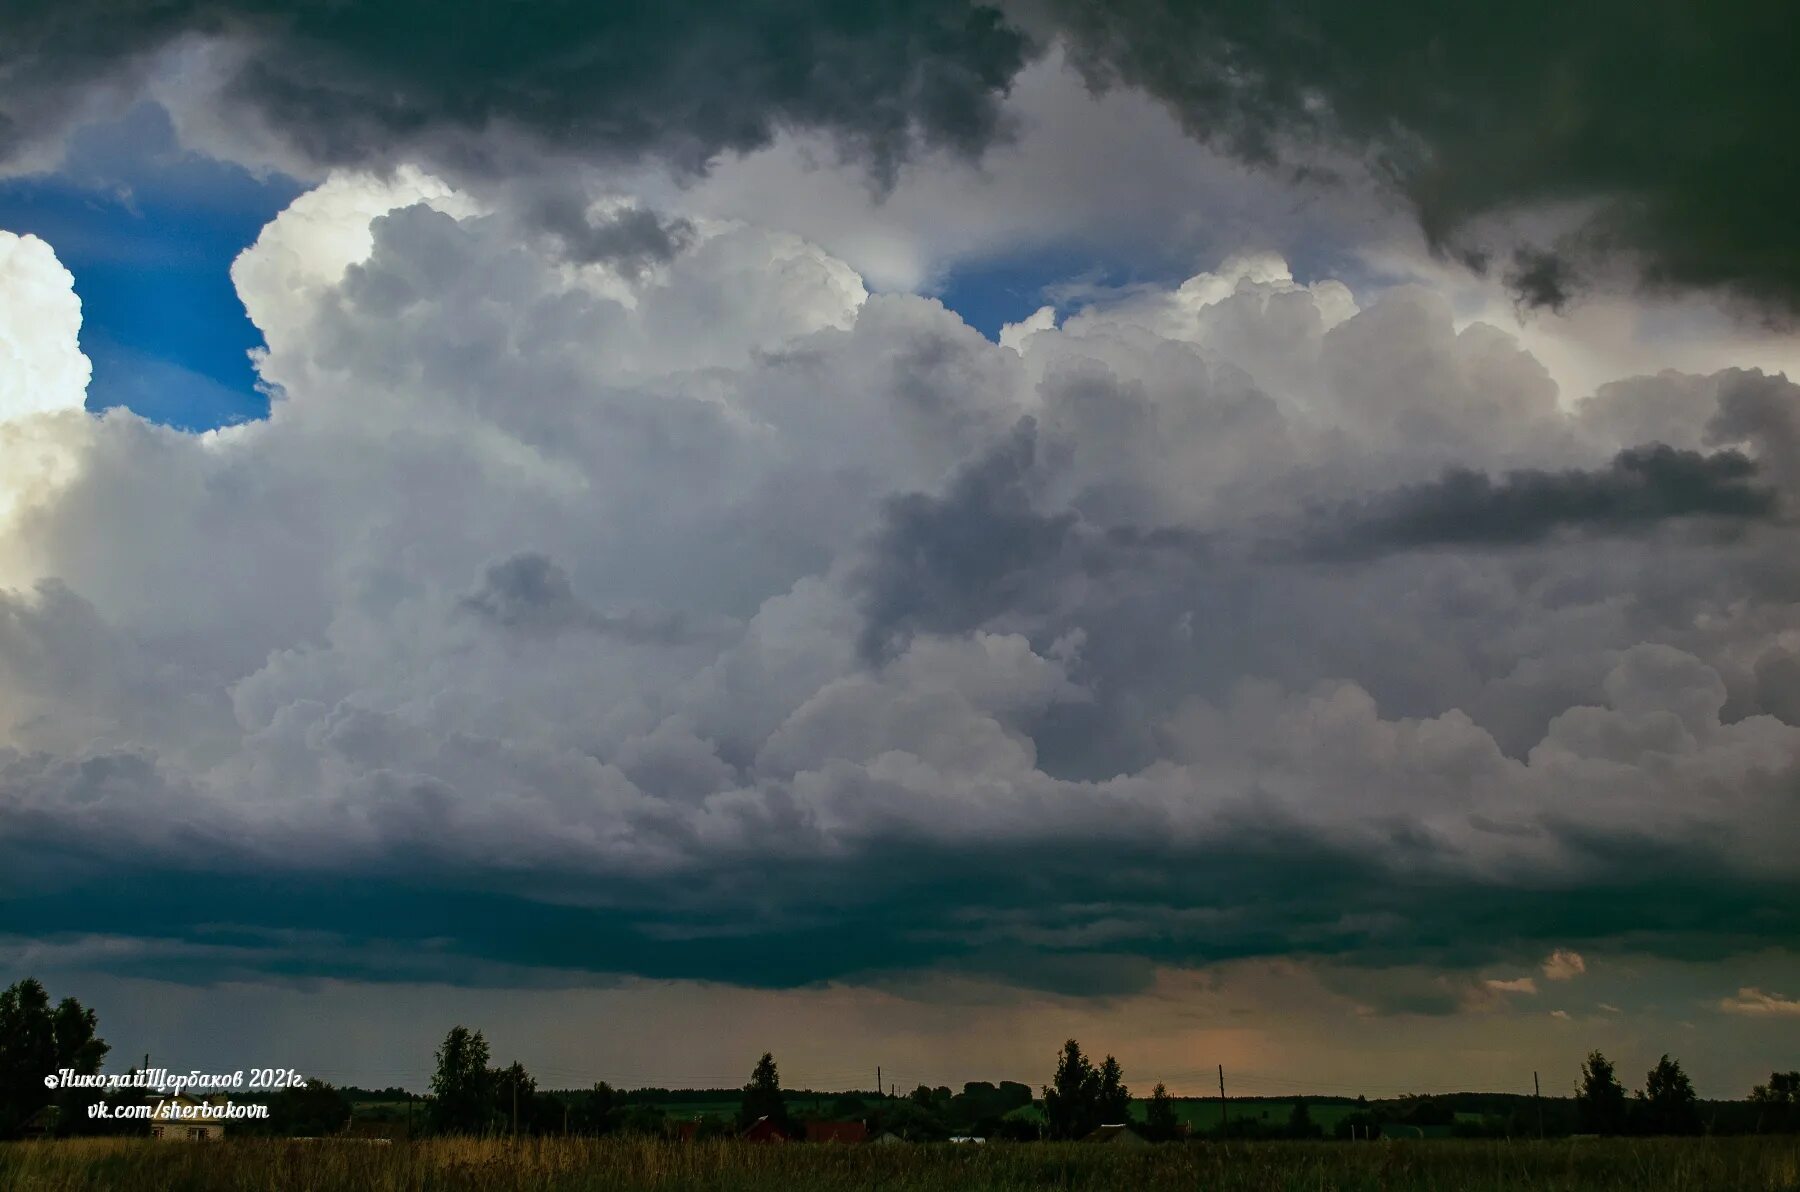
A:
763, 1130
190, 1119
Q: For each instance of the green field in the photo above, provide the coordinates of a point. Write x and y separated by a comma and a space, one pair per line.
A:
1201, 1114
798, 1104
579, 1165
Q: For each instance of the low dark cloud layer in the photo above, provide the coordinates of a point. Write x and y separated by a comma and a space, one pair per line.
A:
1081, 921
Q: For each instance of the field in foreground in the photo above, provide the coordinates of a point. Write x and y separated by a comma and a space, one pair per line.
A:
577, 1165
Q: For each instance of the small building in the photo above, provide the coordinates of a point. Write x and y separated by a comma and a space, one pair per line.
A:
1117, 1134
764, 1130
836, 1132
43, 1123
189, 1119
374, 1129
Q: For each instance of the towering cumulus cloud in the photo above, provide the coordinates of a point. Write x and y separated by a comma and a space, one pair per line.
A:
41, 365
698, 613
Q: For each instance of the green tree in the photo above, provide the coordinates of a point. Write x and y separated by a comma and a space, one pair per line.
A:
645, 1120
462, 1089
1160, 1122
599, 1110
1300, 1123
314, 1111
1600, 1096
1013, 1095
1113, 1104
910, 1120
1668, 1105
1777, 1103
38, 1040
1071, 1100
762, 1096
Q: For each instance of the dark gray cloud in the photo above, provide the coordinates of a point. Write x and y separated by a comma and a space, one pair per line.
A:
1675, 122
1541, 279
949, 563
632, 240
532, 593
1084, 920
1672, 126
1643, 487
682, 81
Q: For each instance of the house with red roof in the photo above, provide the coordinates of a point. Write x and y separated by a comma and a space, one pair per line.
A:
764, 1130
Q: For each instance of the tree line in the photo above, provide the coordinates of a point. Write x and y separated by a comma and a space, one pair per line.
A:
470, 1095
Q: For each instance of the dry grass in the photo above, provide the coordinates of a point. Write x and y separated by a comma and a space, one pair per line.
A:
579, 1165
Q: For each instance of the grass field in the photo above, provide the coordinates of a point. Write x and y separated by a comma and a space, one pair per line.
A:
576, 1165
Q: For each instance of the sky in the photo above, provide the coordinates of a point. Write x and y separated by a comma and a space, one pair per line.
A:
898, 537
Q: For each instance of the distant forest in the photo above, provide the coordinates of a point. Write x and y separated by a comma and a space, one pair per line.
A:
470, 1095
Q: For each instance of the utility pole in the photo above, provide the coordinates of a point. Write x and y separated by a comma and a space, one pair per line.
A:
1537, 1097
878, 1085
515, 1093
1224, 1113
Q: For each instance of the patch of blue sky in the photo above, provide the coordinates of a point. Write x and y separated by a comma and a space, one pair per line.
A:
991, 292
149, 231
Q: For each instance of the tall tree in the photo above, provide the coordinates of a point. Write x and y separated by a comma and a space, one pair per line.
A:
1600, 1097
762, 1096
1300, 1122
1668, 1104
1160, 1123
462, 1089
1071, 1100
36, 1041
1777, 1103
599, 1110
1113, 1104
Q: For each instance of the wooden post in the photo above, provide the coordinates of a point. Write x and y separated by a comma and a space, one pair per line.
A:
1537, 1097
1224, 1112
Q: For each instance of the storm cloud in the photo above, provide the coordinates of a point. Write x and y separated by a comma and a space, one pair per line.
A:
690, 615
1667, 135
683, 82
1566, 146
